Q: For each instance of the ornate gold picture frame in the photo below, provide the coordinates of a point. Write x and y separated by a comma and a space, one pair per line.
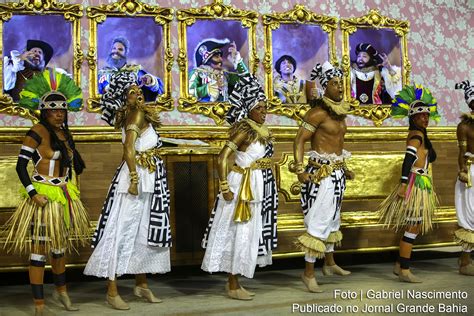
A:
217, 11
126, 10
70, 12
298, 16
373, 22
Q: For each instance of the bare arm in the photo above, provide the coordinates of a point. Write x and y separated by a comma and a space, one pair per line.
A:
132, 130
234, 142
311, 122
461, 134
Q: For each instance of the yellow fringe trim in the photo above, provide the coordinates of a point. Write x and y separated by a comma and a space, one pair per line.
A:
48, 223
395, 211
465, 238
335, 238
312, 246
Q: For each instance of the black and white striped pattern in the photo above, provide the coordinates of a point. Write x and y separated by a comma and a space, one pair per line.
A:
309, 191
246, 94
114, 97
268, 240
468, 88
159, 228
324, 73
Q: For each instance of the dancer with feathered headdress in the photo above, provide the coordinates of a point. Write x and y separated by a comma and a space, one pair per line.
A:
412, 204
50, 213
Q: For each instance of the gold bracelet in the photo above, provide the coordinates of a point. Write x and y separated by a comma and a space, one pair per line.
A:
308, 126
231, 145
462, 143
133, 127
134, 177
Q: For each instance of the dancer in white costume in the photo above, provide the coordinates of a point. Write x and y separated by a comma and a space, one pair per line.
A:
324, 179
464, 192
133, 234
242, 228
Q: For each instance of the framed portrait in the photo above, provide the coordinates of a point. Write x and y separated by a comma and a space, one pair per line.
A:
375, 63
34, 36
216, 44
295, 41
130, 36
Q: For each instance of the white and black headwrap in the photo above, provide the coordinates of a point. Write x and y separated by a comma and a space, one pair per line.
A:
468, 88
324, 73
114, 97
247, 93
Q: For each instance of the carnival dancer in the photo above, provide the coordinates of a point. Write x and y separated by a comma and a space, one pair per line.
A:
410, 207
133, 235
463, 190
50, 212
242, 228
324, 178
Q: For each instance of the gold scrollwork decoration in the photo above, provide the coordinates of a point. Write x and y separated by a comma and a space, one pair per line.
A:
377, 113
214, 11
298, 15
130, 8
71, 12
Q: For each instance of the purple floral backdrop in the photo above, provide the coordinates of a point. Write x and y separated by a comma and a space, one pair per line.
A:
440, 47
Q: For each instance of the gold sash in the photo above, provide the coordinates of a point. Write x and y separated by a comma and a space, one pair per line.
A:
325, 170
469, 162
242, 210
146, 159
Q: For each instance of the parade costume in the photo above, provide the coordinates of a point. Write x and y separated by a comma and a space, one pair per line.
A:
370, 85
62, 224
204, 80
464, 192
291, 91
242, 232
322, 197
133, 235
420, 201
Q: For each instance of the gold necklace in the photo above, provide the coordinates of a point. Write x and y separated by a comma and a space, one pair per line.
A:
261, 129
340, 108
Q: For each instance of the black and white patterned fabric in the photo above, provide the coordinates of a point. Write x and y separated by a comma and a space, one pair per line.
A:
268, 241
114, 97
468, 88
159, 228
324, 73
245, 96
309, 191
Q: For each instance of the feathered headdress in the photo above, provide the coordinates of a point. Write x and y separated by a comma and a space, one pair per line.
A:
114, 97
49, 90
468, 88
245, 96
324, 73
414, 99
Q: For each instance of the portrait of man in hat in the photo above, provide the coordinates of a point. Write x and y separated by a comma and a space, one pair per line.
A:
210, 81
373, 79
117, 61
286, 85
21, 66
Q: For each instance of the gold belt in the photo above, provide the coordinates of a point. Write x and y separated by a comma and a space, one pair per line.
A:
325, 170
242, 210
469, 162
146, 159
263, 163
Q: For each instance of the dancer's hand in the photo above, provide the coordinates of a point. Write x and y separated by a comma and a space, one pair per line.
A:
228, 196
304, 177
463, 177
40, 200
133, 188
350, 175
402, 190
